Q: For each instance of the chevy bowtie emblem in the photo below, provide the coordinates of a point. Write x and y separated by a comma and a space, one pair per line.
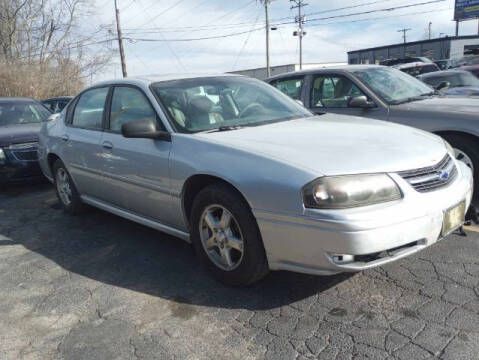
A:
443, 175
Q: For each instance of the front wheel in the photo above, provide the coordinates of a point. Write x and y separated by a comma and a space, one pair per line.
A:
467, 151
226, 236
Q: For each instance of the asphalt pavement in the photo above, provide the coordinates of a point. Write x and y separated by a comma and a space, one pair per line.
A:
96, 286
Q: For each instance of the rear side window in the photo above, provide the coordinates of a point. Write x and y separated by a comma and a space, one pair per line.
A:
129, 104
291, 87
88, 112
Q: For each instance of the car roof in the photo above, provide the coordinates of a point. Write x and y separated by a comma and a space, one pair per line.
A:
150, 79
338, 68
440, 73
412, 64
59, 98
17, 99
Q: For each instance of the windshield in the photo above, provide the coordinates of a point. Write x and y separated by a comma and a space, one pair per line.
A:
21, 112
392, 85
224, 103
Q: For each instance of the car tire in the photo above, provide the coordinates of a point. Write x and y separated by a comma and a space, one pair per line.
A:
67, 193
247, 266
470, 148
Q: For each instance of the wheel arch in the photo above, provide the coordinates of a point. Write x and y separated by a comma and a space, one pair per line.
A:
445, 133
51, 158
195, 183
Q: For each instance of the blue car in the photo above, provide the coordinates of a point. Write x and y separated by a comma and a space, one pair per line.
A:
20, 121
452, 82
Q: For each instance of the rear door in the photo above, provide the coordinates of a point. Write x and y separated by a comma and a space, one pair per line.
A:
81, 149
292, 86
136, 169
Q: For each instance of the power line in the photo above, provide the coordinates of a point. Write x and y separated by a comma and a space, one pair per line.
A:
195, 39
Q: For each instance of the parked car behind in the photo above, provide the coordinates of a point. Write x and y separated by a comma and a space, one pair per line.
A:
447, 64
254, 185
452, 82
474, 69
417, 68
386, 93
406, 60
20, 120
57, 104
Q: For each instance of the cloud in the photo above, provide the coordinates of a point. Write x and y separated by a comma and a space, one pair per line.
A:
323, 43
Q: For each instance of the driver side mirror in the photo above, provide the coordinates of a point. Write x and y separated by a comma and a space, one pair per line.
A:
144, 128
361, 102
443, 85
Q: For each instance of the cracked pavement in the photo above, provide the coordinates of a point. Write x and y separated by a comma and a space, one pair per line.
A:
96, 286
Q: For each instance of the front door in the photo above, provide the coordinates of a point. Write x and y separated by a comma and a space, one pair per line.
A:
330, 93
136, 169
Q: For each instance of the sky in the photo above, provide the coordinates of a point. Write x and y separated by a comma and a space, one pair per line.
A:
327, 40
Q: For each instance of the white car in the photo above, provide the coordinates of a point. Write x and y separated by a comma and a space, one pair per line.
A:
254, 180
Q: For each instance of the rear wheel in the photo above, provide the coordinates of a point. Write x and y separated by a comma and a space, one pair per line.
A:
66, 191
226, 236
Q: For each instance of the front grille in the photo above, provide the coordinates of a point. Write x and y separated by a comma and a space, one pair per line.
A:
433, 177
25, 152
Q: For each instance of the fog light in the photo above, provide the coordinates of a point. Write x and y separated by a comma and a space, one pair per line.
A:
342, 258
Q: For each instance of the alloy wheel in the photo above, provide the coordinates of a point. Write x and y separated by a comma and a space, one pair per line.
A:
462, 156
63, 186
221, 237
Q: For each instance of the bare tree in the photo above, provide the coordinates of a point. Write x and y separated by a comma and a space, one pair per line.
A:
44, 50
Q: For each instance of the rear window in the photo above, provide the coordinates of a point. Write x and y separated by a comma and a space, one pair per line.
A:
22, 112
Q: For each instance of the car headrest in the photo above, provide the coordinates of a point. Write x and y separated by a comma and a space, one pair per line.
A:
201, 103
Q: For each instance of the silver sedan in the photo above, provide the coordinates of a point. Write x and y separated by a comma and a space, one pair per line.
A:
252, 179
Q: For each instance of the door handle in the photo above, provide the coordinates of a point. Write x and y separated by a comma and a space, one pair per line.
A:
107, 145
65, 137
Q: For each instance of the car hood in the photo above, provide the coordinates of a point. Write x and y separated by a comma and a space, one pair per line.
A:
463, 90
21, 133
334, 144
443, 105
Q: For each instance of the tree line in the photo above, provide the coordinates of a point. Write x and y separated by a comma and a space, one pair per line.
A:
44, 50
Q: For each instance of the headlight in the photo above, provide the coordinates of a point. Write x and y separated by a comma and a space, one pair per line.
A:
339, 192
450, 149
2, 157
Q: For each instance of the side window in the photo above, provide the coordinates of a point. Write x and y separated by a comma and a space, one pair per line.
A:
129, 104
89, 109
331, 91
291, 87
49, 104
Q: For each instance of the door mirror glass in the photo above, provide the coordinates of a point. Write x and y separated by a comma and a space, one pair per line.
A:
443, 85
360, 102
144, 128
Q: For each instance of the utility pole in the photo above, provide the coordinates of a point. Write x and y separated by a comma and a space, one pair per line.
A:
266, 5
120, 40
404, 31
300, 20
457, 27
430, 23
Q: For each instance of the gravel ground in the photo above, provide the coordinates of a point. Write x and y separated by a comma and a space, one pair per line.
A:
96, 286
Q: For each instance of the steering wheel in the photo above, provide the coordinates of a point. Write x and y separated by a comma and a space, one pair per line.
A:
250, 107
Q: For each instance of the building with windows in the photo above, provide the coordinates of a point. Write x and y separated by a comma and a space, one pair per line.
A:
435, 49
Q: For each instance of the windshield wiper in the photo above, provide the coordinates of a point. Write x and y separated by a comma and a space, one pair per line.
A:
415, 98
223, 128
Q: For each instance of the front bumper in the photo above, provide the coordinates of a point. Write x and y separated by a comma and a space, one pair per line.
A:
316, 241
13, 170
